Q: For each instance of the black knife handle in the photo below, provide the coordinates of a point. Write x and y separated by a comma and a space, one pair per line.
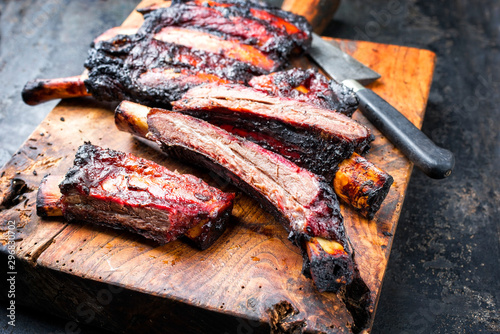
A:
433, 160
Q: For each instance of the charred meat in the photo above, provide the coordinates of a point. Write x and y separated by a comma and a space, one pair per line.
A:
303, 202
185, 45
181, 46
314, 138
270, 29
308, 86
123, 191
154, 72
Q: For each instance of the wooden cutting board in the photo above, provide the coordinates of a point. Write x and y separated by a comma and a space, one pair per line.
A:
124, 283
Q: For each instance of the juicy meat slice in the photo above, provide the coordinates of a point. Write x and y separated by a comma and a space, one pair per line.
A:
235, 22
295, 27
357, 181
154, 72
123, 191
315, 138
313, 212
228, 48
302, 201
308, 86
49, 204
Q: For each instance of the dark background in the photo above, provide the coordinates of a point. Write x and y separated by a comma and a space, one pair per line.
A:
444, 270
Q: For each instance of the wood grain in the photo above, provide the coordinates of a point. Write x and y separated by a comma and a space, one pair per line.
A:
251, 268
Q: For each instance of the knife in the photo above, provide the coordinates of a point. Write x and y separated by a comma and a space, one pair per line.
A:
433, 160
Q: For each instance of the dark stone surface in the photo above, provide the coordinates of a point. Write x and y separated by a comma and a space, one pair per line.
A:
443, 274
44, 39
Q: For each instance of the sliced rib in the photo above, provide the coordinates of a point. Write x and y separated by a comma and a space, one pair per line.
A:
230, 22
123, 191
308, 86
203, 43
313, 137
289, 24
302, 201
219, 45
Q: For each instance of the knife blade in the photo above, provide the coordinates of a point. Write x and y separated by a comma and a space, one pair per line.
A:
338, 64
434, 161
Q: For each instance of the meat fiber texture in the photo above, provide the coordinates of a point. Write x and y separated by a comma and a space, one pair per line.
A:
123, 191
308, 86
186, 45
276, 21
312, 137
304, 202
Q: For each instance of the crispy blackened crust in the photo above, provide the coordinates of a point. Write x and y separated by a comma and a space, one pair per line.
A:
308, 86
125, 192
233, 22
314, 138
153, 72
226, 43
303, 202
285, 23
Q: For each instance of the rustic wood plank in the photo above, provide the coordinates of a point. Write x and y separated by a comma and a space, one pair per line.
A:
405, 83
252, 266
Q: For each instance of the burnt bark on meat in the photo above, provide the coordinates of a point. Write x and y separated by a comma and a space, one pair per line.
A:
270, 28
302, 201
154, 72
290, 24
186, 45
314, 138
49, 203
228, 22
179, 47
122, 191
308, 86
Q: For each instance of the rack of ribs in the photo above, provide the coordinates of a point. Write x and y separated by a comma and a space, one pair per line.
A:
357, 181
191, 43
179, 47
316, 138
303, 202
123, 191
